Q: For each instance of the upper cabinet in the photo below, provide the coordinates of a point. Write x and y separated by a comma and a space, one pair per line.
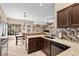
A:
68, 17
3, 17
63, 17
75, 15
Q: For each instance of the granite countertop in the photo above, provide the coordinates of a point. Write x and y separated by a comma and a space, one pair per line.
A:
72, 51
31, 36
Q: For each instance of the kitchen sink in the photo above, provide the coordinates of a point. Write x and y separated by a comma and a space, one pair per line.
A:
51, 37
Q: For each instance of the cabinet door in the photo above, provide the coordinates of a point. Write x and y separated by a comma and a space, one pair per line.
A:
75, 15
38, 43
46, 47
31, 46
34, 45
63, 17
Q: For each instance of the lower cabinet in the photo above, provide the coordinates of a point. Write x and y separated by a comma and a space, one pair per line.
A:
46, 46
34, 44
50, 48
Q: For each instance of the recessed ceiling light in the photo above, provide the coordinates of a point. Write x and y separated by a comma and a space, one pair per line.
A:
41, 4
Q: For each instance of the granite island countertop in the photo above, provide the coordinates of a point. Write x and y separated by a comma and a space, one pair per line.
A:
72, 51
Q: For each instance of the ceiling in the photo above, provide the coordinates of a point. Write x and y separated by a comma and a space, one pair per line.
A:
34, 11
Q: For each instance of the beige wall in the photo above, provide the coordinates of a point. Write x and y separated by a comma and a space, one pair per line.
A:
3, 17
59, 6
14, 21
17, 21
3, 21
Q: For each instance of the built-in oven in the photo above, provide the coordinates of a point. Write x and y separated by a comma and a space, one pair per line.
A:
57, 48
4, 47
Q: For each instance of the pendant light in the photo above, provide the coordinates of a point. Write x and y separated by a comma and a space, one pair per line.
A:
24, 19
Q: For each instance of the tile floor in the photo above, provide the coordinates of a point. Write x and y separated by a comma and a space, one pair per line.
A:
19, 50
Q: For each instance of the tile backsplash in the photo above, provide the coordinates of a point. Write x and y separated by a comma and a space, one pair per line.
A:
71, 34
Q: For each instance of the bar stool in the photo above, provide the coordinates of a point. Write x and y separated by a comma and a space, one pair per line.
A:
19, 37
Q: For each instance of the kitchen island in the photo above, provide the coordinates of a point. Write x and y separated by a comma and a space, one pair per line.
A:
72, 51
31, 37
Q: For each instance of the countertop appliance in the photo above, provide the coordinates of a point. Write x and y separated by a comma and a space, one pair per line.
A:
3, 46
57, 48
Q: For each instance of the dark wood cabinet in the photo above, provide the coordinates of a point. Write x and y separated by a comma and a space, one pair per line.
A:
39, 43
34, 44
75, 15
50, 48
46, 46
68, 17
63, 17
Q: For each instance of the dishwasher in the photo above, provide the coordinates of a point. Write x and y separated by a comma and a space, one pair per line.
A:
57, 48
